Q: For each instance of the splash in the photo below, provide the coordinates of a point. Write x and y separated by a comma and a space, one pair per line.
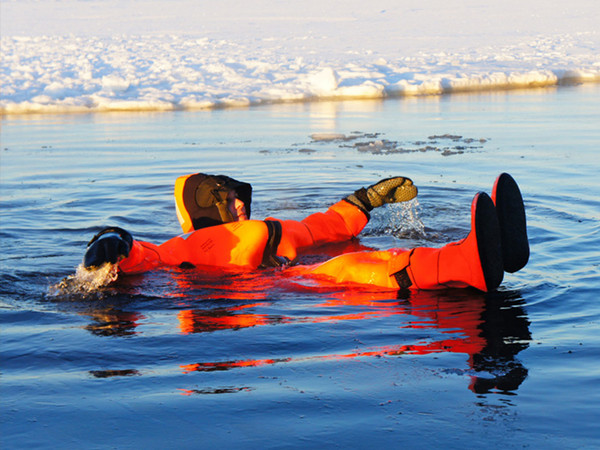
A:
84, 282
401, 220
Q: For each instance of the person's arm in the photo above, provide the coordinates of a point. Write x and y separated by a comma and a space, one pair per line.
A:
345, 219
115, 245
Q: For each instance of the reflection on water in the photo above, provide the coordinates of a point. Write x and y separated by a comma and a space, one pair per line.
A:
112, 322
491, 329
505, 328
221, 390
114, 373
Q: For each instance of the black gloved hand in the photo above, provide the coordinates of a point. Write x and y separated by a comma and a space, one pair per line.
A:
389, 190
108, 246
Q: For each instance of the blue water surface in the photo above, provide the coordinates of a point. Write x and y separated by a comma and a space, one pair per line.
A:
181, 358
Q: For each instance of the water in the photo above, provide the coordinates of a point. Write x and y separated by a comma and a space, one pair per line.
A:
184, 359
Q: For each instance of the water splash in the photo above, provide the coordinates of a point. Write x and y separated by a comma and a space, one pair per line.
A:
84, 282
401, 220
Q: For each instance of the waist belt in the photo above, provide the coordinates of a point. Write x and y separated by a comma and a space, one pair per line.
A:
270, 258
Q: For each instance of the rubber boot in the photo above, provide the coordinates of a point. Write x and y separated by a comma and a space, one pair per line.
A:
513, 224
474, 261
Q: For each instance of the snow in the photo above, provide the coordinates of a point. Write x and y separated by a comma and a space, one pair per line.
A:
102, 55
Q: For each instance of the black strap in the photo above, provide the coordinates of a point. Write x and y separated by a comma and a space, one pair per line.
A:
270, 258
403, 279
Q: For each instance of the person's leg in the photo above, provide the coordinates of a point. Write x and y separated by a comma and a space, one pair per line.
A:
366, 268
475, 261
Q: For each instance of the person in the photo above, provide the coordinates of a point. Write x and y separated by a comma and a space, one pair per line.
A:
215, 215
215, 211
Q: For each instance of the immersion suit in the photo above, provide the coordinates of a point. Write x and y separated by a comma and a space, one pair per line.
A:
212, 239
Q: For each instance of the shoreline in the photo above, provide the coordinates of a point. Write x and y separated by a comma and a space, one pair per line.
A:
132, 106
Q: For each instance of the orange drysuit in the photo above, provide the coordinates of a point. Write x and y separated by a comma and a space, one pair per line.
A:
479, 260
251, 244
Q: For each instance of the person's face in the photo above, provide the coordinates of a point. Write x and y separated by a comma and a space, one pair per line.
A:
236, 207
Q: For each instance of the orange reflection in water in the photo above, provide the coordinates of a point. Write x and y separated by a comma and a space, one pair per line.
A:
226, 365
198, 321
487, 328
490, 328
454, 318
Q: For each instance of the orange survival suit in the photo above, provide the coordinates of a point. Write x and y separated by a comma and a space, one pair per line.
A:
497, 240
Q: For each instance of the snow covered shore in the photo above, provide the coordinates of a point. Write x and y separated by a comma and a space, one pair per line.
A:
103, 55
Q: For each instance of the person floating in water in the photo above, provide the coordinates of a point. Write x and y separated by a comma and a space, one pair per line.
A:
214, 212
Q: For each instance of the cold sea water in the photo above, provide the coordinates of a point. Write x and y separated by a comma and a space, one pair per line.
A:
187, 358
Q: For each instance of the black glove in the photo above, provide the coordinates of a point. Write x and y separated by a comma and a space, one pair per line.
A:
390, 190
108, 246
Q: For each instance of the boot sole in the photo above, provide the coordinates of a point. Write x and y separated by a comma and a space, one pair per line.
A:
487, 232
513, 224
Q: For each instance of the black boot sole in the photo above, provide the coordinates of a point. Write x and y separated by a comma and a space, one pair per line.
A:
513, 224
487, 232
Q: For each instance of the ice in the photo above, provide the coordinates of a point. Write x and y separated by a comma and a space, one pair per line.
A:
100, 55
324, 82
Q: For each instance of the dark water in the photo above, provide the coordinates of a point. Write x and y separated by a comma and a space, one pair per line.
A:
178, 358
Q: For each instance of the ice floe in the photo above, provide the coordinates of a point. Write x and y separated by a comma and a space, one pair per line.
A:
298, 56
